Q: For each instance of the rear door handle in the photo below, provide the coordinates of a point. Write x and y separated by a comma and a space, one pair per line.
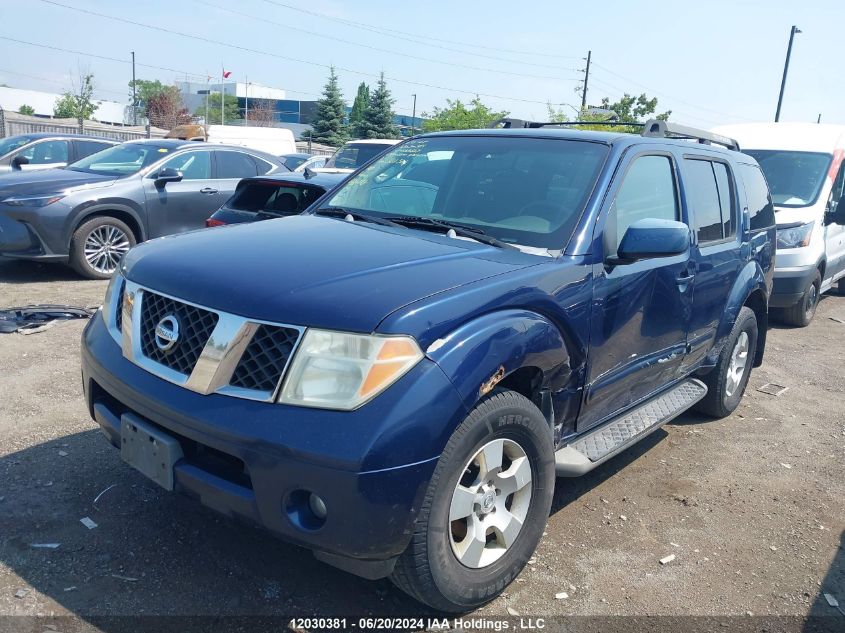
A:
208, 190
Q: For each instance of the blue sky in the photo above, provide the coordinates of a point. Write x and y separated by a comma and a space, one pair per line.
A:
709, 62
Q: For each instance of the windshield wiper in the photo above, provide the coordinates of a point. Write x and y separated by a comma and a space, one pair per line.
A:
420, 222
341, 212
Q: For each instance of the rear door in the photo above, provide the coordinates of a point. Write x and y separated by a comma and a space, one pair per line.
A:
641, 311
710, 194
185, 205
232, 166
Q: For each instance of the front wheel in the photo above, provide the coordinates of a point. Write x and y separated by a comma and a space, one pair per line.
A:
803, 312
98, 246
485, 508
727, 381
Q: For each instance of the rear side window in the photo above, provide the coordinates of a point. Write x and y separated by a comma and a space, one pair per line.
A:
235, 165
272, 198
86, 148
648, 191
710, 198
263, 166
759, 201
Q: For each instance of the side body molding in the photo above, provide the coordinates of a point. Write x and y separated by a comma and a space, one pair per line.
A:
511, 339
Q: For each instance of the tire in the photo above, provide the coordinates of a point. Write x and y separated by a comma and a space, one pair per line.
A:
803, 312
840, 288
113, 237
724, 386
440, 567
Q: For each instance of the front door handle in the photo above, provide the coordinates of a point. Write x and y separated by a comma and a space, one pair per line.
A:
208, 190
682, 281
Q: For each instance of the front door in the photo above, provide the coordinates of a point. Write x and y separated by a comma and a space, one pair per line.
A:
182, 206
641, 311
834, 242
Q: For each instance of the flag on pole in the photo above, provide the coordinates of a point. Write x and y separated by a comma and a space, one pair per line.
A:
226, 74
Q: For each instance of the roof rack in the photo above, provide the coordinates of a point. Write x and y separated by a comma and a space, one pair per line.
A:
664, 129
653, 128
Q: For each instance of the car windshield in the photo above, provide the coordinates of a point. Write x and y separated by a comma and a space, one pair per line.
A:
12, 143
526, 191
121, 160
795, 178
292, 162
353, 155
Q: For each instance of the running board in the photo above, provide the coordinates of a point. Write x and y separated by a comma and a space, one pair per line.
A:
599, 445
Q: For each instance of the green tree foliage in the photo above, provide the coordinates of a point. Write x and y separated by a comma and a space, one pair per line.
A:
329, 125
26, 109
362, 98
628, 109
230, 109
457, 116
378, 115
161, 104
79, 105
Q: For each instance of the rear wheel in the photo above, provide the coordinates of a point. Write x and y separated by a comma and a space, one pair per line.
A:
98, 246
803, 312
485, 508
727, 381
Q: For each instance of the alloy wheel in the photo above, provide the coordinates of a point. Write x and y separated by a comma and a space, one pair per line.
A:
739, 360
490, 503
104, 247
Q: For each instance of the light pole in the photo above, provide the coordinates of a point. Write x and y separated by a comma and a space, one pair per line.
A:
792, 33
134, 98
414, 117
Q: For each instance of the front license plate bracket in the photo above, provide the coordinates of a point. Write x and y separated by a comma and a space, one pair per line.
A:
148, 450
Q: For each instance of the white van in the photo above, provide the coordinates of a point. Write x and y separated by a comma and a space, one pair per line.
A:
803, 164
273, 140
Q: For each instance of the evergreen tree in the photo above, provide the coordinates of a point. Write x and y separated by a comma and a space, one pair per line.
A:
378, 116
329, 124
358, 107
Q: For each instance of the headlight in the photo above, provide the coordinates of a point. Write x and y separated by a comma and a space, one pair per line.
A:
337, 370
110, 302
36, 201
795, 236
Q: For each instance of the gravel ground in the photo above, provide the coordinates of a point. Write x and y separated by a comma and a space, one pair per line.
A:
750, 506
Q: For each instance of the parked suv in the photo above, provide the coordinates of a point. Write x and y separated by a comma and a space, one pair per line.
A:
30, 152
803, 164
90, 213
394, 378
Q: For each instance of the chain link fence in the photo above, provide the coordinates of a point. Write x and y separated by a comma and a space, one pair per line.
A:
13, 123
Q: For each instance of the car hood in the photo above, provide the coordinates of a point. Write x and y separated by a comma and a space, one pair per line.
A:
313, 271
33, 183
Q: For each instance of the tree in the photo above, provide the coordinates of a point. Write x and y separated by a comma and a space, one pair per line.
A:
362, 98
628, 109
378, 115
457, 116
79, 104
230, 109
26, 109
166, 110
329, 124
262, 114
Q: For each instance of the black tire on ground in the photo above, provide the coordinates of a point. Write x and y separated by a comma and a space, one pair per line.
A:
803, 312
840, 289
429, 570
77, 258
721, 400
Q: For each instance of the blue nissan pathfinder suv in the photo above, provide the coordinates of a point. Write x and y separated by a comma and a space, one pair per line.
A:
394, 378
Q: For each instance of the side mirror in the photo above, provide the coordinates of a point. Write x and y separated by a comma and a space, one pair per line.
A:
649, 238
19, 160
166, 175
837, 213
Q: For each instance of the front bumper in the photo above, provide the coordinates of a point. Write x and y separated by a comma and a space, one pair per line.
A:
250, 459
20, 239
790, 284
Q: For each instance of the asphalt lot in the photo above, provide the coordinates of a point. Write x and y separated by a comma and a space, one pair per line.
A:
752, 507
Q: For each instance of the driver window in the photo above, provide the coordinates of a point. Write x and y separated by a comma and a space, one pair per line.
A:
838, 184
648, 191
46, 153
193, 165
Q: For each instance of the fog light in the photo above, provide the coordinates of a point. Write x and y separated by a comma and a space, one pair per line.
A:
317, 505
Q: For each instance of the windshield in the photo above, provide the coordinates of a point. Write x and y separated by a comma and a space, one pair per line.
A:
292, 162
795, 178
12, 143
353, 155
121, 160
527, 191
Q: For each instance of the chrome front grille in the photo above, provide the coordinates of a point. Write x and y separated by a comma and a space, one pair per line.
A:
265, 358
196, 326
214, 351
